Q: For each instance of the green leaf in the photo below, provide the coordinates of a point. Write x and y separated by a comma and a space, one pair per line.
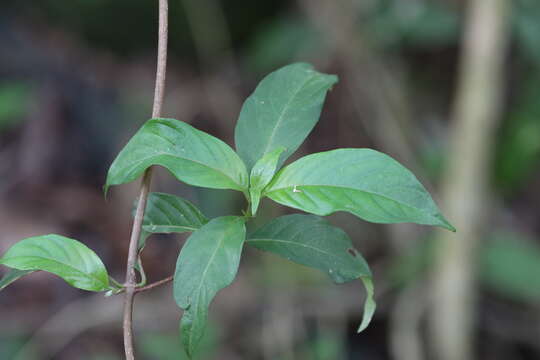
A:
369, 305
311, 241
166, 213
71, 260
207, 263
364, 182
281, 112
261, 175
191, 155
13, 275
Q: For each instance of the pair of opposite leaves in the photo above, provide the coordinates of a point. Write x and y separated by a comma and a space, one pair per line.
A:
274, 121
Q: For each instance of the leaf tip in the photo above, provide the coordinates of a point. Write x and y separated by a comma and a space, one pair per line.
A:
369, 304
445, 224
333, 79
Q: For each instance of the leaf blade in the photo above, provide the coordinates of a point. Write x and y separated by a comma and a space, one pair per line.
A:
13, 275
67, 258
281, 112
191, 155
311, 241
369, 304
207, 263
167, 213
364, 182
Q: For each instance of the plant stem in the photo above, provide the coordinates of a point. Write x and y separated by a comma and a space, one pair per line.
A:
155, 284
145, 185
149, 286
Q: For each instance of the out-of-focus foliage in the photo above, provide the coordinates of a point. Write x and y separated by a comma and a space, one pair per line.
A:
10, 344
510, 265
426, 24
282, 41
104, 356
14, 100
518, 154
327, 345
413, 264
164, 346
527, 28
97, 22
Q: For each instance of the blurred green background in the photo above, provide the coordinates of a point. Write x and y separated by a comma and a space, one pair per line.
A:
76, 81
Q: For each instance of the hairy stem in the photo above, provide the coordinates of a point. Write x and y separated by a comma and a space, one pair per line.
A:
145, 185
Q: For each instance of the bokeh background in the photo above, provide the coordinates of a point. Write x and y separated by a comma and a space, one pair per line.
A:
451, 88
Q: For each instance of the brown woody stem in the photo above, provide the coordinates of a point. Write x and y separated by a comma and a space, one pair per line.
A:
131, 279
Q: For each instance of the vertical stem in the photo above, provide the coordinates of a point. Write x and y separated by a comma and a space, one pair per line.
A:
161, 58
145, 185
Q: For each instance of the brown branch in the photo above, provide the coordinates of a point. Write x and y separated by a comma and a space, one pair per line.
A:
155, 284
145, 185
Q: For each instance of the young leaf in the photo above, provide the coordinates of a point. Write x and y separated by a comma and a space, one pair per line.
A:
207, 263
166, 213
282, 111
311, 241
13, 275
71, 260
191, 155
261, 175
364, 182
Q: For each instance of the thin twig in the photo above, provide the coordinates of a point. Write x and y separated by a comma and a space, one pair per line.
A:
145, 185
149, 286
155, 284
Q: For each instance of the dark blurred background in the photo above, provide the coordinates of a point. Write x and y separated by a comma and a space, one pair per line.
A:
450, 88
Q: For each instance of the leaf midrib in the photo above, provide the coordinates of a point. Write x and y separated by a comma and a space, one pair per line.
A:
170, 226
293, 243
140, 160
350, 188
285, 109
90, 275
218, 246
300, 245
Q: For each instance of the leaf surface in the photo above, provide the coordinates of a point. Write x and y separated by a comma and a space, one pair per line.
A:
166, 213
191, 155
71, 260
207, 263
13, 275
364, 182
311, 241
281, 112
261, 175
